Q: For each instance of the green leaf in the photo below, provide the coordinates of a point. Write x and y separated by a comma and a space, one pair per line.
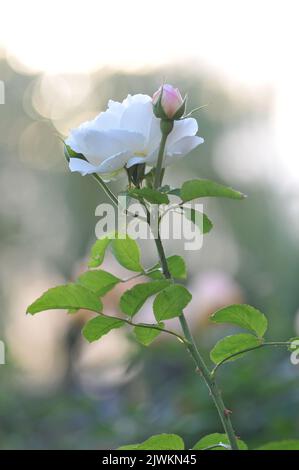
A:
201, 220
171, 302
244, 316
151, 195
212, 440
290, 444
127, 253
98, 251
70, 153
129, 447
158, 442
100, 282
176, 266
146, 335
100, 326
69, 296
205, 188
133, 299
233, 345
294, 346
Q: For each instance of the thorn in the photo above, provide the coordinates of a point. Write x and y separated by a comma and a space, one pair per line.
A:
227, 412
198, 371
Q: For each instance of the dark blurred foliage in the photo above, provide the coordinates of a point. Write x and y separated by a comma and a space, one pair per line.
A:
47, 217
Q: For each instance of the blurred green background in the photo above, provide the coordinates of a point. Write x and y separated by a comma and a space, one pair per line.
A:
58, 392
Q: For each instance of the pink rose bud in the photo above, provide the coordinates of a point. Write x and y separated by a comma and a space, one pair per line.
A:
168, 103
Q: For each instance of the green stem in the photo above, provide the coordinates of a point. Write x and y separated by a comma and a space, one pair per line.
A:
215, 392
166, 128
105, 189
157, 181
223, 412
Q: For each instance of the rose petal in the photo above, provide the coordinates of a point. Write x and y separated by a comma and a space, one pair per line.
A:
177, 150
154, 136
83, 167
185, 145
96, 146
185, 127
135, 160
138, 118
114, 163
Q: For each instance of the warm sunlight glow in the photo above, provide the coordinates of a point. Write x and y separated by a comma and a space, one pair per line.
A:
254, 46
71, 36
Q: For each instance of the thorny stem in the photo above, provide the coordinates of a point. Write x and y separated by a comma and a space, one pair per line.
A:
223, 412
202, 368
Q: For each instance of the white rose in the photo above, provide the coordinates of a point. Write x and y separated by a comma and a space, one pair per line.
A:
126, 134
